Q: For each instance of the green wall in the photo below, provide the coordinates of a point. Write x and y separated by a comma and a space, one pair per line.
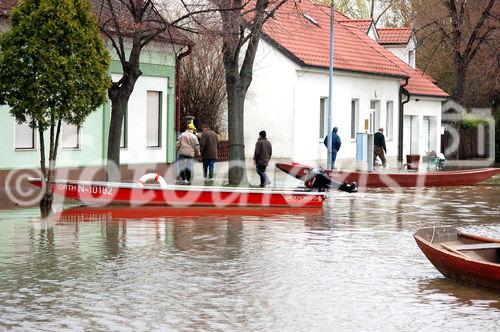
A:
94, 132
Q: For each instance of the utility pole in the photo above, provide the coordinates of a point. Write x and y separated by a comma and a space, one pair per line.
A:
330, 86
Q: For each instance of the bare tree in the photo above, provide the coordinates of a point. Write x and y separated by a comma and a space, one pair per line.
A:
376, 10
242, 24
203, 82
456, 32
131, 25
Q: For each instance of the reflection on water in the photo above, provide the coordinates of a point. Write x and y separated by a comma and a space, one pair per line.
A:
353, 265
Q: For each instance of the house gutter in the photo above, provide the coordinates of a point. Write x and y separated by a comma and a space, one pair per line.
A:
402, 103
178, 88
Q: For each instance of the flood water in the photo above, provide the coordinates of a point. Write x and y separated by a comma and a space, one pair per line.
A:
351, 266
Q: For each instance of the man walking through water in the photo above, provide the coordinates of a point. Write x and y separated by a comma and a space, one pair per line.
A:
379, 148
208, 148
261, 157
336, 143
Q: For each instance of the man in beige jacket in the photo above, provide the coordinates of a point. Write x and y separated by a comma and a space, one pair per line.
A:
187, 149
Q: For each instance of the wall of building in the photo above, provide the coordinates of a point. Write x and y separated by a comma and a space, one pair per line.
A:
313, 85
158, 67
269, 104
137, 151
420, 107
403, 52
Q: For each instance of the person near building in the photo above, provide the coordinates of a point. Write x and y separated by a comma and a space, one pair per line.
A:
379, 148
261, 157
336, 143
187, 149
208, 149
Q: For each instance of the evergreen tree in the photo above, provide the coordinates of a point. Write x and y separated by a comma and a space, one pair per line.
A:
53, 68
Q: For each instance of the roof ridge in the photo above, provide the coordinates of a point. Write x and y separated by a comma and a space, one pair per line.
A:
401, 28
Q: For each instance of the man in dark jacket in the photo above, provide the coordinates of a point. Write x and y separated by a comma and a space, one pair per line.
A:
261, 157
336, 143
379, 148
208, 149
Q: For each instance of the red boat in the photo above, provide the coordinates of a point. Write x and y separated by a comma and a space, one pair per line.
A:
466, 258
111, 193
408, 179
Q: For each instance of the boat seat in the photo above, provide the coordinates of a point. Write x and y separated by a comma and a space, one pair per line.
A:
476, 246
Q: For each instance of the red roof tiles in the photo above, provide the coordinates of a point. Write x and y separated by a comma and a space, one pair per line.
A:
394, 36
308, 42
363, 25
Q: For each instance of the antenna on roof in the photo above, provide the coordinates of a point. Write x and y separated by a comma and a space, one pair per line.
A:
311, 19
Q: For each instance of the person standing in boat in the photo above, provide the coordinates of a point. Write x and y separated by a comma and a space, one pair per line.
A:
208, 149
379, 148
336, 143
261, 157
187, 149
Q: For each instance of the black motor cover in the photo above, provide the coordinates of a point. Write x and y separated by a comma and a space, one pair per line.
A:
317, 179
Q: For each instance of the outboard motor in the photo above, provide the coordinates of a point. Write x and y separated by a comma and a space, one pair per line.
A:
317, 179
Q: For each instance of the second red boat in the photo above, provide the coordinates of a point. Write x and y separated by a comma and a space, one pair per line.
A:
407, 179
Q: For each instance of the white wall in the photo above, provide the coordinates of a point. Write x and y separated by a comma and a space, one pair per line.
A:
313, 85
403, 51
137, 150
420, 107
269, 103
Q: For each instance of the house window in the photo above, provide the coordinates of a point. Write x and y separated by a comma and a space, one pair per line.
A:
374, 115
124, 134
24, 136
389, 120
153, 129
411, 58
70, 136
323, 117
354, 117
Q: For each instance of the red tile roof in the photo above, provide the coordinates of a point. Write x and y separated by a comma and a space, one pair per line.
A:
419, 83
308, 42
394, 36
363, 25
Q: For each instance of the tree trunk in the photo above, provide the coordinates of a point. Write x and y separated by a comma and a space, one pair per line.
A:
118, 106
236, 131
46, 201
48, 175
458, 93
119, 93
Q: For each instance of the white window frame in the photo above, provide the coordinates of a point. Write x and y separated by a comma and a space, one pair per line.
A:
323, 118
78, 143
33, 136
158, 136
354, 118
389, 120
374, 124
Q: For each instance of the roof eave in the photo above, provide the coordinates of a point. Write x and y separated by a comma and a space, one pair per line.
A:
283, 50
358, 71
428, 95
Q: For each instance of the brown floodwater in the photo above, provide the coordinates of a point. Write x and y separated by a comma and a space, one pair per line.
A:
351, 266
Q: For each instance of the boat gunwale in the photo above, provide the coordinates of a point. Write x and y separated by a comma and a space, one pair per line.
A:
437, 247
416, 173
242, 190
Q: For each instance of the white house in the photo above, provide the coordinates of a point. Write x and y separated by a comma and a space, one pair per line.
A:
372, 86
